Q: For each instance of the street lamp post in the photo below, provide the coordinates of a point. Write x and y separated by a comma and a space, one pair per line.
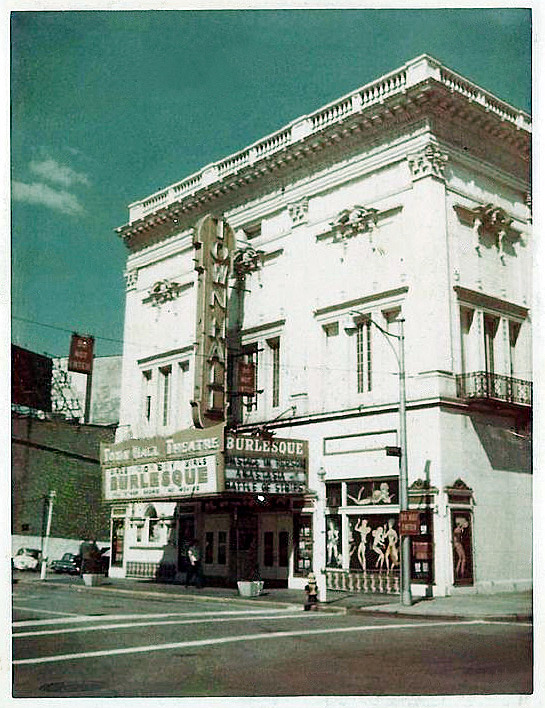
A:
405, 571
43, 568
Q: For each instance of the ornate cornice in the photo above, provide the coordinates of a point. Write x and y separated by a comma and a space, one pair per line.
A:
131, 279
165, 291
421, 90
361, 301
247, 260
491, 225
459, 492
528, 202
354, 221
429, 162
298, 211
479, 299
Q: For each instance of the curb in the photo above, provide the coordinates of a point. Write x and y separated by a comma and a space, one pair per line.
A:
322, 607
167, 596
443, 616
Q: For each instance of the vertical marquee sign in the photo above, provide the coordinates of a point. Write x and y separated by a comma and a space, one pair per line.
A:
214, 241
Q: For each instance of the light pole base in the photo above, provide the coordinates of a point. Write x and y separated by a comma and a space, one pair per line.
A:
406, 598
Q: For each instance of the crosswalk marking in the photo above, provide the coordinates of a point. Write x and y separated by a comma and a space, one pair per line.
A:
160, 623
45, 612
239, 638
95, 618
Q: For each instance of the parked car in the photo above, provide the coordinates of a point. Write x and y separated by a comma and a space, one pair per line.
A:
70, 563
27, 559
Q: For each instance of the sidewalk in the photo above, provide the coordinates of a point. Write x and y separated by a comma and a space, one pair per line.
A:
511, 607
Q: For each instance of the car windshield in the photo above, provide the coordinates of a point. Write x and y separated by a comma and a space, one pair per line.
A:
34, 552
68, 557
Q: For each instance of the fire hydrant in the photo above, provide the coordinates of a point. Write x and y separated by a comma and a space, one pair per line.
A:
311, 589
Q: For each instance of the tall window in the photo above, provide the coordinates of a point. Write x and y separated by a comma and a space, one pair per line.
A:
466, 320
166, 374
249, 355
514, 330
146, 388
274, 346
183, 392
490, 329
363, 354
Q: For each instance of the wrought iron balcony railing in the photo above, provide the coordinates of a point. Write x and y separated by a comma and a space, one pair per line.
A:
481, 385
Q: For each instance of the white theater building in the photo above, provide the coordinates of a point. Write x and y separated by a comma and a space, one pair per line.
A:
260, 391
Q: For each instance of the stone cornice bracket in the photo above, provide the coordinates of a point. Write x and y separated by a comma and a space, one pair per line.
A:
131, 279
429, 162
298, 212
528, 202
489, 222
459, 493
353, 221
247, 260
164, 291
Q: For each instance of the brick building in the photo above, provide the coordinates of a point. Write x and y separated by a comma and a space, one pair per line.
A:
52, 453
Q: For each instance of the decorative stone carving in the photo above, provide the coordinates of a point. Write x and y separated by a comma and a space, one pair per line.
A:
528, 202
247, 260
489, 223
353, 221
492, 220
429, 162
459, 492
298, 212
421, 492
163, 291
131, 279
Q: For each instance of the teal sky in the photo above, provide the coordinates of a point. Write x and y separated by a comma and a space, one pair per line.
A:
108, 107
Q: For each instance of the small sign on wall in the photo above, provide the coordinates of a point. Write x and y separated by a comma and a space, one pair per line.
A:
409, 523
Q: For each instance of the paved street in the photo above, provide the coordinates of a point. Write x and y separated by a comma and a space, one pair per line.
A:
69, 641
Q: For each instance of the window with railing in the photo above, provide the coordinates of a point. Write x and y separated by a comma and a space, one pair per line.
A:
484, 385
494, 351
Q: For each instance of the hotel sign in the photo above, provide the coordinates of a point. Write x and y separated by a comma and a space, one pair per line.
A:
185, 464
214, 241
246, 385
80, 358
255, 465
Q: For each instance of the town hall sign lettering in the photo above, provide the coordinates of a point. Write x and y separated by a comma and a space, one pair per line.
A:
214, 241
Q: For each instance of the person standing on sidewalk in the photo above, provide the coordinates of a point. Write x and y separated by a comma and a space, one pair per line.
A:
311, 589
194, 569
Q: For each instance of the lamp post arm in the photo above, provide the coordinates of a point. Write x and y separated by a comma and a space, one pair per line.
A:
405, 571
